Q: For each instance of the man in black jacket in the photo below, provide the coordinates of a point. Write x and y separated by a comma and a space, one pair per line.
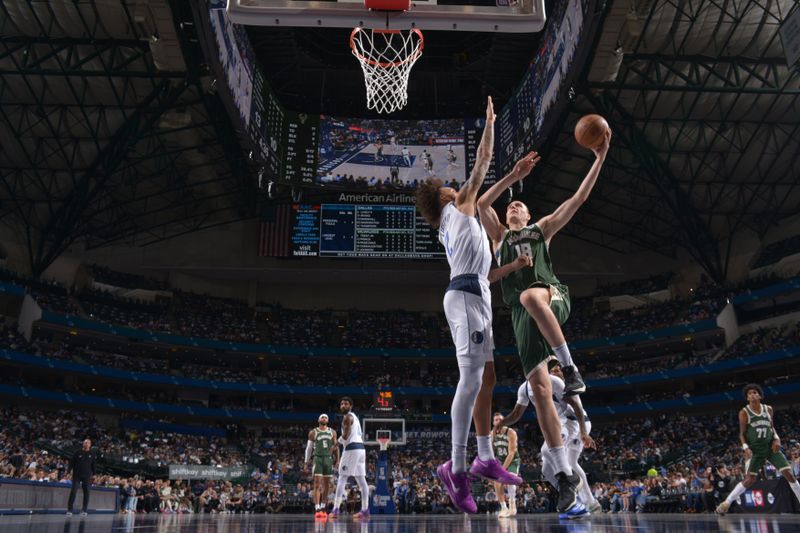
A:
83, 467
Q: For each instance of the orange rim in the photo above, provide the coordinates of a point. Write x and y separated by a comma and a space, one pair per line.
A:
387, 64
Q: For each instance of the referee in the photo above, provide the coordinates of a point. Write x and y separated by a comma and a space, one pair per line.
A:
83, 466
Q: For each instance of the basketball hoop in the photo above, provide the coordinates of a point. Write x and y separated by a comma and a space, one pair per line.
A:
386, 58
383, 442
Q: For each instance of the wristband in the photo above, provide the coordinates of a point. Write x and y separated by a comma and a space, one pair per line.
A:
745, 447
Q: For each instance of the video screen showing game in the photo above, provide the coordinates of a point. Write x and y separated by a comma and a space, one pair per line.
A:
390, 154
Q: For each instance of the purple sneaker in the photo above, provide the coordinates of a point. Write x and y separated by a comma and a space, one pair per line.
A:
362, 515
334, 514
458, 488
493, 471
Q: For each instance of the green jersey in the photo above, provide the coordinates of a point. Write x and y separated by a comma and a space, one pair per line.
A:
759, 434
527, 241
500, 447
323, 442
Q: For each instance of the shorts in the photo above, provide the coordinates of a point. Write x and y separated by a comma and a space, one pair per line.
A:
353, 463
532, 347
756, 463
323, 466
514, 467
469, 315
564, 437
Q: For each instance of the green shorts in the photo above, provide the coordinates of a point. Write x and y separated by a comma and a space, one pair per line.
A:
756, 463
323, 466
514, 467
532, 347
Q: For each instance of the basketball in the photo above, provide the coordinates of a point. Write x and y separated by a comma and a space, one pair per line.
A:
589, 131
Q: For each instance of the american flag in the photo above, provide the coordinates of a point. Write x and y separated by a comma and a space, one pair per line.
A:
275, 236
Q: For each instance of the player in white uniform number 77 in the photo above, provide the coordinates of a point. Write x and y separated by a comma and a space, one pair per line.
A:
468, 308
353, 462
575, 429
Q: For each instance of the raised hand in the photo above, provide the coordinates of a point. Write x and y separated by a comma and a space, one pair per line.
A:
490, 116
602, 150
525, 165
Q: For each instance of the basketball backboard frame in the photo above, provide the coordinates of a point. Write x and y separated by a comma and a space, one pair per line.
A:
522, 16
371, 422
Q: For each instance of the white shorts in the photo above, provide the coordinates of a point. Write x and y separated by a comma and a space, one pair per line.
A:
470, 320
353, 463
564, 437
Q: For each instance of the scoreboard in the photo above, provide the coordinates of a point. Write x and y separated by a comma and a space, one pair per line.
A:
352, 230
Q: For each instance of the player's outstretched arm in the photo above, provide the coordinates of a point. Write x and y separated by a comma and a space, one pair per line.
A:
468, 193
514, 416
552, 224
518, 264
489, 219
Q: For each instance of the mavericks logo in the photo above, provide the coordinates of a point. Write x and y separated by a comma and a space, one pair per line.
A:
477, 337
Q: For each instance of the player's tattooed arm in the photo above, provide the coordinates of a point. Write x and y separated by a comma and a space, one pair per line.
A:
347, 426
514, 416
335, 452
468, 193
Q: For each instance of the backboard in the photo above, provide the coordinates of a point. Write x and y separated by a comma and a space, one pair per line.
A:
375, 427
514, 16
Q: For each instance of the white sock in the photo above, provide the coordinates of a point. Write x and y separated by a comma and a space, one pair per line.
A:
512, 495
735, 493
796, 489
560, 462
503, 506
469, 385
340, 486
563, 355
548, 469
485, 451
364, 488
585, 494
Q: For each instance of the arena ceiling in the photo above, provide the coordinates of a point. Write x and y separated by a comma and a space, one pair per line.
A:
110, 128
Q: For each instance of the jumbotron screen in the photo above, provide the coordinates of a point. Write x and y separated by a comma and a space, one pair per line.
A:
364, 231
395, 154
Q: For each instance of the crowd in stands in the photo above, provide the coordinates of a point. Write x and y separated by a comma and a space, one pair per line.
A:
776, 251
673, 462
201, 316
108, 276
658, 282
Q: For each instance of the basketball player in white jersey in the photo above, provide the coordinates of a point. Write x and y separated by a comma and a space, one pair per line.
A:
468, 308
353, 462
575, 429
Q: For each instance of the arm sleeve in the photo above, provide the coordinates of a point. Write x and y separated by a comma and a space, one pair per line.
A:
309, 449
522, 395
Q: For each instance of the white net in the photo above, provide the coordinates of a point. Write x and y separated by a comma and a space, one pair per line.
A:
386, 57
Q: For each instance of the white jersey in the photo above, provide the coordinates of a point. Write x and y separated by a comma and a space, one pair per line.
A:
465, 241
355, 431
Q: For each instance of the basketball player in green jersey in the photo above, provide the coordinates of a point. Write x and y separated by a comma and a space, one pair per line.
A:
321, 446
539, 301
504, 443
760, 443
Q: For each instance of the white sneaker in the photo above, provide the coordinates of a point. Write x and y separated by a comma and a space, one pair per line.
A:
512, 510
595, 507
504, 513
